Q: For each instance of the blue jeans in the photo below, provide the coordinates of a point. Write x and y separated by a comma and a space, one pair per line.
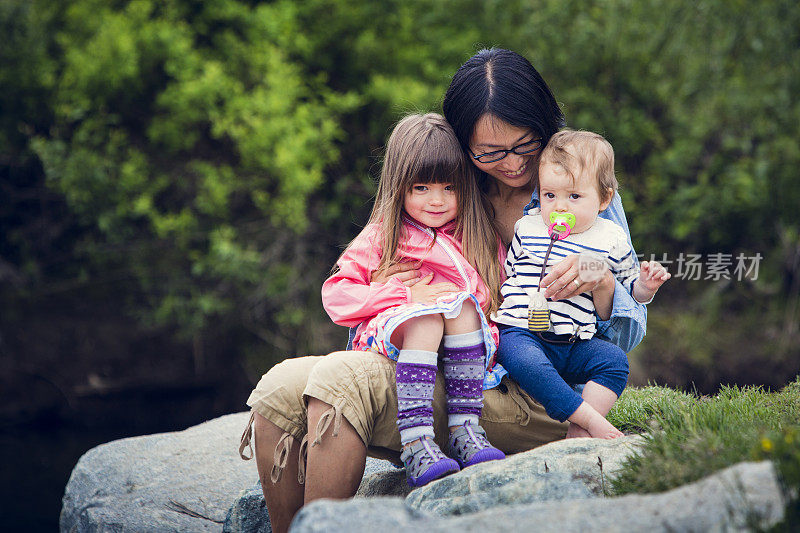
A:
543, 368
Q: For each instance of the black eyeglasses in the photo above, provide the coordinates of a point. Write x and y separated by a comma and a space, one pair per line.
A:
521, 149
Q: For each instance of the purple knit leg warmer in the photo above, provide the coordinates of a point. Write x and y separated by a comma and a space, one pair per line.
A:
416, 376
463, 377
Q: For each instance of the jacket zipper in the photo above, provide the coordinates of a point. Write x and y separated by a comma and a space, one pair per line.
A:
450, 253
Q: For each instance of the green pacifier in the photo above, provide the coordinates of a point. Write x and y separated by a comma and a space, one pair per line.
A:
562, 223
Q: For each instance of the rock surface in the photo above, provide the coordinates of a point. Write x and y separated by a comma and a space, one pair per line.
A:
566, 469
249, 512
149, 483
382, 478
744, 497
194, 480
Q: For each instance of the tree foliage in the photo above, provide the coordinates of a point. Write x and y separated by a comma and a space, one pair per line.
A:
215, 155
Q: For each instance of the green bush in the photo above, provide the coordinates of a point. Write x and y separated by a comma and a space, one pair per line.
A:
215, 156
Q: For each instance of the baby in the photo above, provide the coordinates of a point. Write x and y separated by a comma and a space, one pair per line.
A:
541, 353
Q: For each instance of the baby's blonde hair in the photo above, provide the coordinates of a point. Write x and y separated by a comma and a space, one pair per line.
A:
576, 151
424, 149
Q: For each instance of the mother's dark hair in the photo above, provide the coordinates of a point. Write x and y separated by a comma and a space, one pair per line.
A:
504, 84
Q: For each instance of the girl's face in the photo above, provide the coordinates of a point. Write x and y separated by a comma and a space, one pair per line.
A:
514, 170
431, 204
560, 193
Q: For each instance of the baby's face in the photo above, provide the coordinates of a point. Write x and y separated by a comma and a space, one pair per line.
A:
560, 193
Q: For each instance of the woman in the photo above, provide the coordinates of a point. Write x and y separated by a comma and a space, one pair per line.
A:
503, 114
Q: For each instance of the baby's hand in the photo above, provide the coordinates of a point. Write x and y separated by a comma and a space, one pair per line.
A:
653, 275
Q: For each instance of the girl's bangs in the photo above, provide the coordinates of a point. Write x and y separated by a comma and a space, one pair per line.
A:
442, 166
438, 172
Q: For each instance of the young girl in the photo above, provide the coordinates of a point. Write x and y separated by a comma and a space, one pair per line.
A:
428, 210
576, 180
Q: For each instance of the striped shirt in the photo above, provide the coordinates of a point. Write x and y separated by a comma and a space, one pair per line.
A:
605, 240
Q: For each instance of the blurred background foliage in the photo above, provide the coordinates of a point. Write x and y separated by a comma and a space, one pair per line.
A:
178, 176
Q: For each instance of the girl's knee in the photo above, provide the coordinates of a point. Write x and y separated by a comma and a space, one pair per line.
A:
469, 308
422, 332
431, 322
468, 319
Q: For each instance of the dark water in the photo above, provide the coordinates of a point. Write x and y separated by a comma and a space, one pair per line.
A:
37, 464
38, 456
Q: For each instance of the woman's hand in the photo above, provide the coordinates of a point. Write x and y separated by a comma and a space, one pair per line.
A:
421, 290
407, 273
423, 293
563, 281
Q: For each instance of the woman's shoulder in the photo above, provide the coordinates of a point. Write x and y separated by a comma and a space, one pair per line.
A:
614, 211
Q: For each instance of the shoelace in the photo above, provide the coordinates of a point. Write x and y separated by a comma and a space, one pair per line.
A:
430, 457
473, 437
475, 441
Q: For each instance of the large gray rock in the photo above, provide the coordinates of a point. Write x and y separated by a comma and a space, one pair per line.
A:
382, 478
561, 470
182, 481
566, 469
248, 514
190, 480
744, 497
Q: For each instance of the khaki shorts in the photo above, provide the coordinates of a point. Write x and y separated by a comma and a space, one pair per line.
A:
361, 387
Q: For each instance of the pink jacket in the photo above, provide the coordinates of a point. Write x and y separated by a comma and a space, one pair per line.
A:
349, 296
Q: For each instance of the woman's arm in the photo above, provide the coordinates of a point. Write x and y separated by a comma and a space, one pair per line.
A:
627, 324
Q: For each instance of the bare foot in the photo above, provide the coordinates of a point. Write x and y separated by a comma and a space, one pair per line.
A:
575, 431
600, 428
593, 422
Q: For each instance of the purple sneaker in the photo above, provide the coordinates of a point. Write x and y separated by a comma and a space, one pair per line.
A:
425, 462
468, 445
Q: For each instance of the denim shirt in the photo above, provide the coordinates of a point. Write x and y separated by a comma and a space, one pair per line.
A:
628, 321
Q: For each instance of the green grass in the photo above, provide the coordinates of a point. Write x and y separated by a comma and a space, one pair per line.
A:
637, 409
689, 437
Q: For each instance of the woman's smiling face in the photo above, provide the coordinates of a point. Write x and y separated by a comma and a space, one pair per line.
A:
492, 134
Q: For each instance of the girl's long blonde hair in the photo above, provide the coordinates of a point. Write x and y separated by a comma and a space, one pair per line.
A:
424, 149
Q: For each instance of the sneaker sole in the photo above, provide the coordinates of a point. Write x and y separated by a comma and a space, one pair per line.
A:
486, 454
436, 471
